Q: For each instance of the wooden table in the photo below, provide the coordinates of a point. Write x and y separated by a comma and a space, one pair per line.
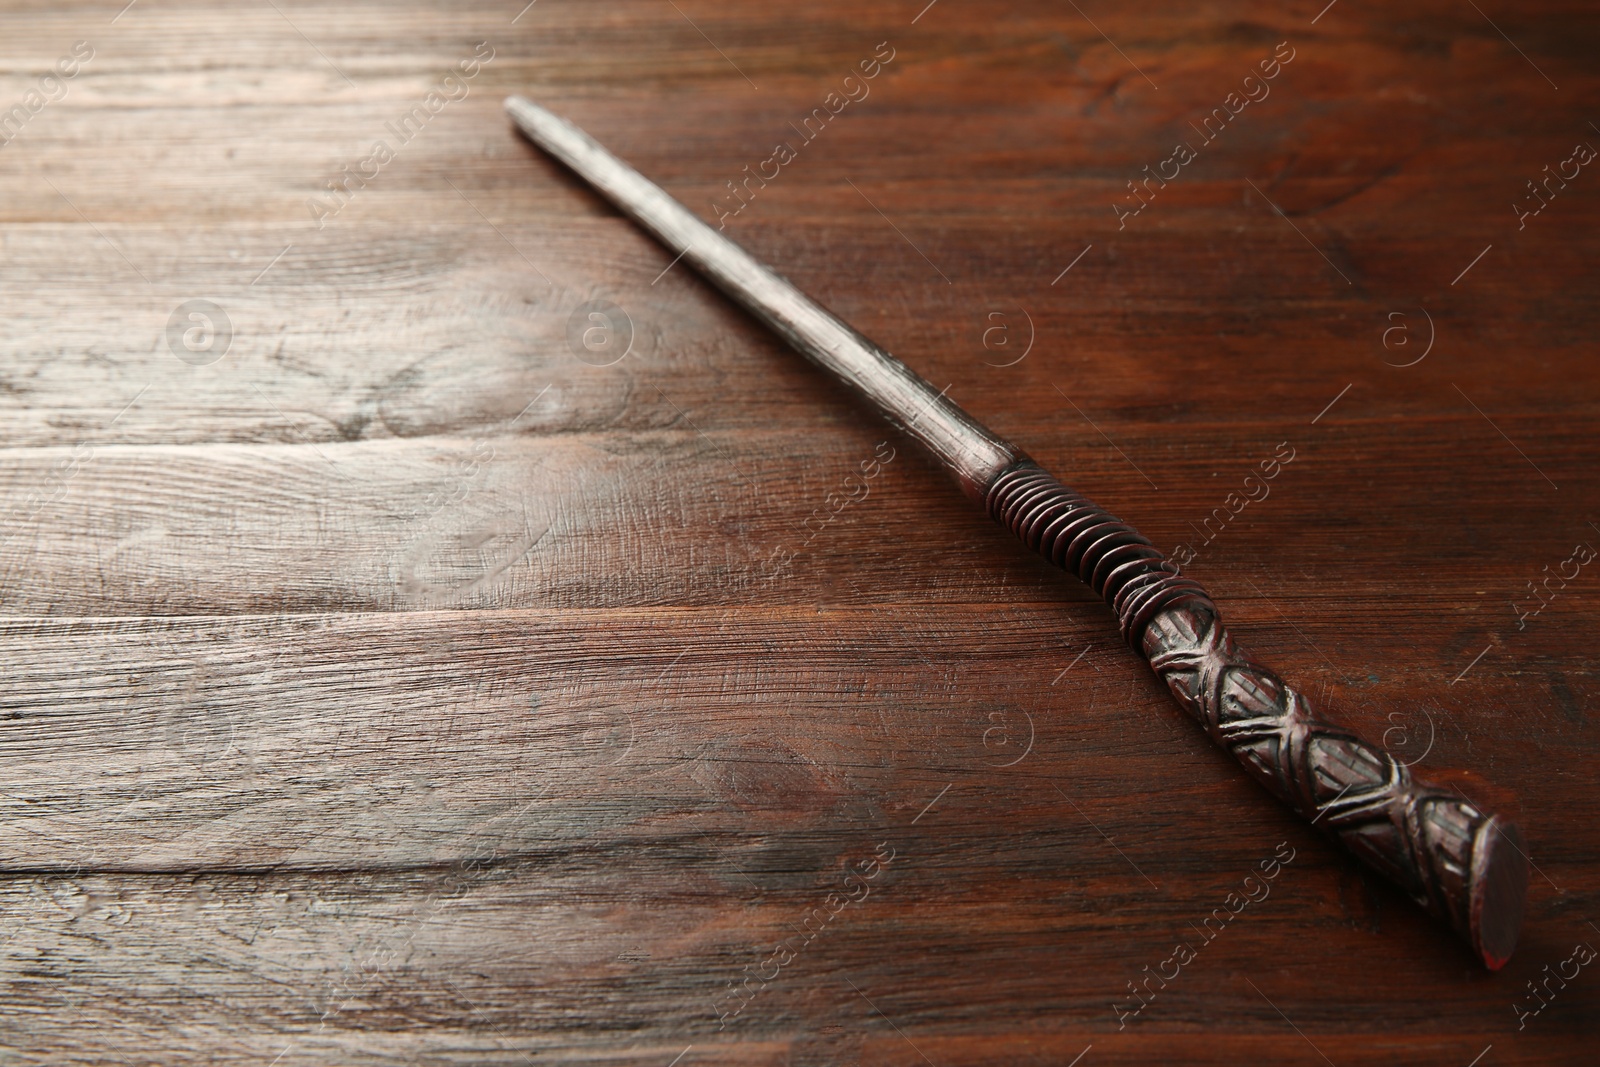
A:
401, 665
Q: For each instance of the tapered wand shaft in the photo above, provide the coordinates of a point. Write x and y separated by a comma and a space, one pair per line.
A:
1462, 863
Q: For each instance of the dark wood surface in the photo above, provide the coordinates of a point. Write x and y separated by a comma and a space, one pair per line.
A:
400, 687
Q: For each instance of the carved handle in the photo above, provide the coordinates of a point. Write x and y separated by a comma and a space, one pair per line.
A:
1459, 862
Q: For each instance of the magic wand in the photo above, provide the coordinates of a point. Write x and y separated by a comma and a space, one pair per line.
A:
1460, 862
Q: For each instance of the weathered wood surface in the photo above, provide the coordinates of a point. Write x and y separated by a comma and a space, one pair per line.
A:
402, 688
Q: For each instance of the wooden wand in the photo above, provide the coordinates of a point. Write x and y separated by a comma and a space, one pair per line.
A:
1463, 864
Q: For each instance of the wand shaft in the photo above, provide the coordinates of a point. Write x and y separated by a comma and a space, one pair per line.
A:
973, 453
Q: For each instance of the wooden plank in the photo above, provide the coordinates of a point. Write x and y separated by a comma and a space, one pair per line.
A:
586, 520
455, 332
484, 965
437, 735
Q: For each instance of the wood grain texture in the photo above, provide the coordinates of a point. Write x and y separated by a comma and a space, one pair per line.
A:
401, 687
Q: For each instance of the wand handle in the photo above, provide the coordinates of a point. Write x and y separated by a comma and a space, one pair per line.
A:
1461, 863
1458, 861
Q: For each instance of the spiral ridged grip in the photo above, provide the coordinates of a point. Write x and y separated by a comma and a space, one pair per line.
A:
1459, 862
